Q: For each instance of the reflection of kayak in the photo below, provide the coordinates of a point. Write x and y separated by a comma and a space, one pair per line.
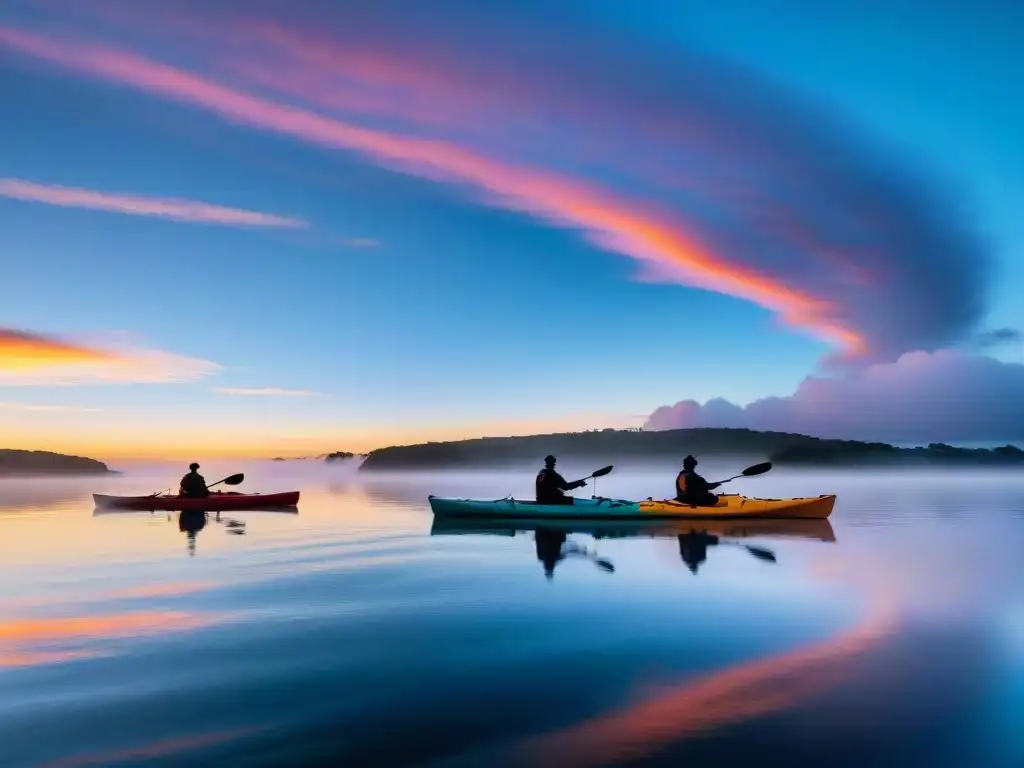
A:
615, 509
212, 503
815, 529
293, 510
582, 508
729, 506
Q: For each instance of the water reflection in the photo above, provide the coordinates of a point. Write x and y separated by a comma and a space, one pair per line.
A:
192, 522
369, 633
553, 546
734, 694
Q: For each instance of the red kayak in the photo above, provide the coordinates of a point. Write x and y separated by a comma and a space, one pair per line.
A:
212, 503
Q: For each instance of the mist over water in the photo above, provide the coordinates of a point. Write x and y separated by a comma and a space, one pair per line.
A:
348, 634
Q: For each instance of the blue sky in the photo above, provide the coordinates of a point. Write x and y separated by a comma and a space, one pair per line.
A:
411, 303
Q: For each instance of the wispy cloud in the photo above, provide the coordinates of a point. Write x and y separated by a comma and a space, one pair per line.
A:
24, 350
165, 208
33, 407
721, 179
360, 242
999, 336
34, 359
617, 224
265, 392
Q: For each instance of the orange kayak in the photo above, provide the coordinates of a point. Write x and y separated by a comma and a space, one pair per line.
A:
732, 506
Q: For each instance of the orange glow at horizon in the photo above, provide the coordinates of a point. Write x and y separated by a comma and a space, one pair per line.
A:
239, 441
604, 218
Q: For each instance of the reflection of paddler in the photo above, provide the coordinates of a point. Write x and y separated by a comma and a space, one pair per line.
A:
549, 549
693, 548
191, 521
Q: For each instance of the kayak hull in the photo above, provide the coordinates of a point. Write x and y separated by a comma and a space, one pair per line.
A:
731, 506
728, 507
510, 508
814, 529
215, 502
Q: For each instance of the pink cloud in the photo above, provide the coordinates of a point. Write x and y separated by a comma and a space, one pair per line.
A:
947, 396
264, 392
630, 227
165, 208
706, 174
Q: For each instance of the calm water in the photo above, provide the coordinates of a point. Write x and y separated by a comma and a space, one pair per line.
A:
349, 635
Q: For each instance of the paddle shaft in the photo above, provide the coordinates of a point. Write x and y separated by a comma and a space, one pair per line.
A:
754, 471
596, 474
761, 552
230, 480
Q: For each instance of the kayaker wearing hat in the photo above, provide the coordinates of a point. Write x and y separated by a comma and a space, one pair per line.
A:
551, 485
693, 489
193, 484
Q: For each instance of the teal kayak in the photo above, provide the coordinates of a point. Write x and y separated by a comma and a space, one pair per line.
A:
514, 508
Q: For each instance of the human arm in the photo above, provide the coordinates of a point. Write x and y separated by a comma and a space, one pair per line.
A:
698, 485
563, 485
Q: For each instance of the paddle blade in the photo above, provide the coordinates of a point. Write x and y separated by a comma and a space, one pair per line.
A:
757, 469
762, 554
234, 479
603, 471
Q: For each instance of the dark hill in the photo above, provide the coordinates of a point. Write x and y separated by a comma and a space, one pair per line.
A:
608, 446
16, 462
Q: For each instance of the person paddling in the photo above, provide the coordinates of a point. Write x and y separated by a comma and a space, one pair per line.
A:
193, 485
551, 485
693, 489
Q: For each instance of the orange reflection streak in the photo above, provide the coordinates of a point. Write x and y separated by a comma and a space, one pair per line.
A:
47, 640
159, 590
607, 220
172, 589
21, 350
743, 691
156, 749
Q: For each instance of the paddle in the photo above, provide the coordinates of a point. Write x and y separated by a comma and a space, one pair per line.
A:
231, 480
234, 480
759, 552
597, 473
757, 469
601, 563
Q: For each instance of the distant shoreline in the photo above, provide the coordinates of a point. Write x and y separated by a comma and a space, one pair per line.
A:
17, 463
607, 446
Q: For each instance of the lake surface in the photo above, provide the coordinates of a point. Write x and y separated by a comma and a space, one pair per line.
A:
349, 635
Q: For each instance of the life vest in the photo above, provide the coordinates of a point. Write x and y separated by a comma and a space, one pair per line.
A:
681, 483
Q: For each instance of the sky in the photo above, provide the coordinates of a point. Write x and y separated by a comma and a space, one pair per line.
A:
270, 228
